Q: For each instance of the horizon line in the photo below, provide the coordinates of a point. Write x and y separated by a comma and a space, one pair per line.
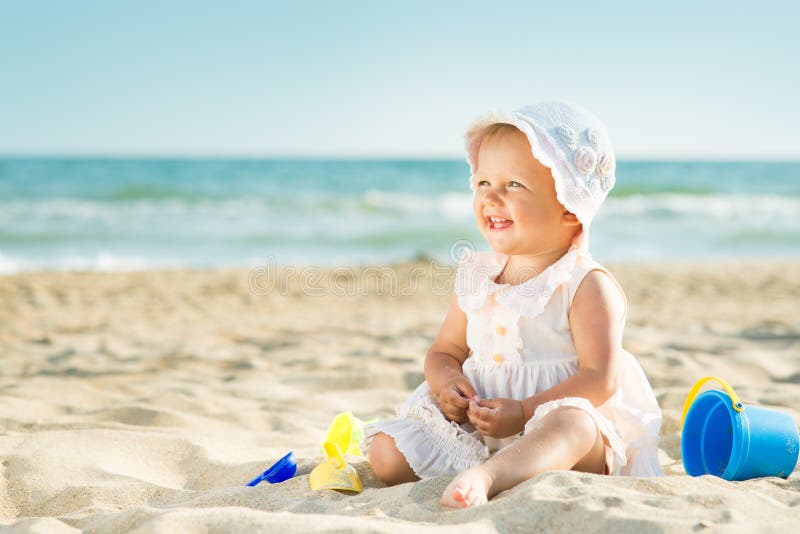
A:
718, 158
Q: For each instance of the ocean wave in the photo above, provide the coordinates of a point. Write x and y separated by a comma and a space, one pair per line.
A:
448, 205
717, 206
101, 261
141, 234
148, 192
640, 189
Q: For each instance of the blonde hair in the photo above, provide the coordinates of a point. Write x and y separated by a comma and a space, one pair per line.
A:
499, 129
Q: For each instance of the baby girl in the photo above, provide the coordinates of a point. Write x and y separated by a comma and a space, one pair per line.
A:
527, 373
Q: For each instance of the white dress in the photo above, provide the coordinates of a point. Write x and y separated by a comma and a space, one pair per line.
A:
521, 344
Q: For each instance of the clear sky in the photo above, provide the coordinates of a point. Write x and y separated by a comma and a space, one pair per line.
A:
707, 79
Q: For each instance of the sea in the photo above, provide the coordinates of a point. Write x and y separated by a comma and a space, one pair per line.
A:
129, 213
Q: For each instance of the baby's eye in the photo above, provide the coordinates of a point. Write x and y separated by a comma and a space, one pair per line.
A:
512, 183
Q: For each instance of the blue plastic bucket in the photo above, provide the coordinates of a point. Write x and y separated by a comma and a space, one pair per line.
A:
725, 438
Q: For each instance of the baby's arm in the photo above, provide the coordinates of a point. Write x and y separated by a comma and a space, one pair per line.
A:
443, 371
595, 319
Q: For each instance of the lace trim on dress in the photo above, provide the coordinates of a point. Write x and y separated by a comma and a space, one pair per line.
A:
475, 283
446, 437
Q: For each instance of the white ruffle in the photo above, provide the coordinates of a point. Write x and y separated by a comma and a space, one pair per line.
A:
605, 426
531, 297
475, 276
432, 445
472, 279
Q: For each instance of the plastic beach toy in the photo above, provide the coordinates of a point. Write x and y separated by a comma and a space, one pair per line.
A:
347, 431
334, 473
735, 441
283, 469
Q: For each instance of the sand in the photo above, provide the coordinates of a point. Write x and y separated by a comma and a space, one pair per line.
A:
144, 401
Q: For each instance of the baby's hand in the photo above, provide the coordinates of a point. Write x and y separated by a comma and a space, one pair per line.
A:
497, 418
454, 398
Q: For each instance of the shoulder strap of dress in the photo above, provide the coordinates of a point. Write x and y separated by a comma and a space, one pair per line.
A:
584, 266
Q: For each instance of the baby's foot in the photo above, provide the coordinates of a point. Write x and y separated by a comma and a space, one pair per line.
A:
470, 488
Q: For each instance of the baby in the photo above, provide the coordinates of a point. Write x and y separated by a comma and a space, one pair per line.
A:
527, 373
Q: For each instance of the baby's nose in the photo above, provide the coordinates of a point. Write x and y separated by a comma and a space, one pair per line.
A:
491, 197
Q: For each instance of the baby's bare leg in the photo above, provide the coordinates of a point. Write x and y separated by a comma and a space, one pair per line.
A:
387, 462
566, 438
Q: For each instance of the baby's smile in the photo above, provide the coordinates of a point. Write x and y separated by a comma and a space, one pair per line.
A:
498, 223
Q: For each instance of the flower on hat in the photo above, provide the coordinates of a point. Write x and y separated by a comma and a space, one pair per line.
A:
585, 160
569, 136
604, 165
591, 136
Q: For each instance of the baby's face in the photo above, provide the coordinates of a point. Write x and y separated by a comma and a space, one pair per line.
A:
515, 186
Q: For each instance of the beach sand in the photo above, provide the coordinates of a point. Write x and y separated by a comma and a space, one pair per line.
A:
144, 401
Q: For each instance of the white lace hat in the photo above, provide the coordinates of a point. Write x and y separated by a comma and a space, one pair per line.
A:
568, 139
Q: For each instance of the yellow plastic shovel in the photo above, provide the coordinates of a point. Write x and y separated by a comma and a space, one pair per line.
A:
334, 473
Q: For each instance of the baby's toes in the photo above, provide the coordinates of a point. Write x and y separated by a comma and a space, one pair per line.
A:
454, 495
470, 488
475, 497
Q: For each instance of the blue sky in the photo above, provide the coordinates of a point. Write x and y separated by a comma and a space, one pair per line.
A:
350, 79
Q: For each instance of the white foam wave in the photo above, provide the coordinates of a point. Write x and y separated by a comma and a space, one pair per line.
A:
101, 261
451, 204
716, 206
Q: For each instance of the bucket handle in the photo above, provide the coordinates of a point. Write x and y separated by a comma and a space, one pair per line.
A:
735, 402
